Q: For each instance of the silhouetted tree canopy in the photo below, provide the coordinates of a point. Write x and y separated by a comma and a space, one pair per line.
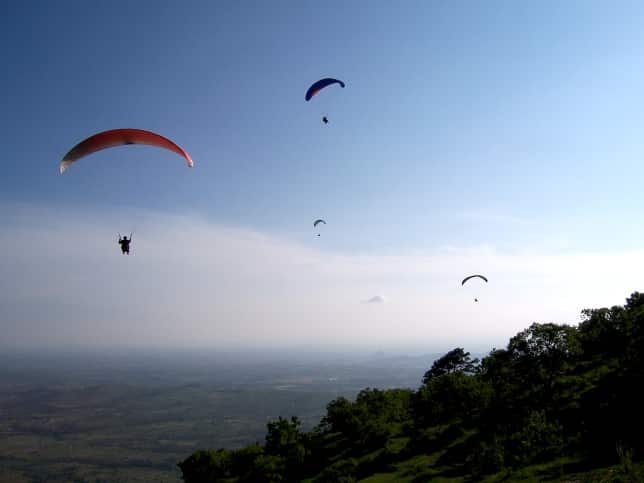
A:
456, 360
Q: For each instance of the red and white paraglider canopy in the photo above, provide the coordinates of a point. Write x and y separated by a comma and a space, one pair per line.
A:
120, 137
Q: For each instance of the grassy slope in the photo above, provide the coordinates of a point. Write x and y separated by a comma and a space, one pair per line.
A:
422, 469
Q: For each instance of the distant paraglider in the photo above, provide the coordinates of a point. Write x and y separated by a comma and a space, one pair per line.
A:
317, 222
473, 276
317, 87
120, 137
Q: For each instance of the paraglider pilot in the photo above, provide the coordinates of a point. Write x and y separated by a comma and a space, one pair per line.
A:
125, 244
325, 120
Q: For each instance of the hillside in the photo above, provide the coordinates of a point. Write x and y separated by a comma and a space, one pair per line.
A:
558, 401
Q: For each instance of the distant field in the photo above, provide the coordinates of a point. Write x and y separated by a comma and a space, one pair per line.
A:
78, 421
121, 432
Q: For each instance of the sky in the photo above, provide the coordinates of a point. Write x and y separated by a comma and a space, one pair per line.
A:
494, 137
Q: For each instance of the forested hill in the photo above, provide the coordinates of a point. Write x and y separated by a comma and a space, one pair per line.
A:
557, 400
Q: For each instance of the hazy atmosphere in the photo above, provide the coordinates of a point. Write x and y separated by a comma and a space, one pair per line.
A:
194, 283
470, 138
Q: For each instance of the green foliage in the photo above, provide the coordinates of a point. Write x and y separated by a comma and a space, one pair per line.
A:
285, 448
207, 465
372, 419
626, 466
449, 397
339, 417
243, 461
268, 468
455, 361
538, 441
554, 392
488, 457
343, 471
284, 438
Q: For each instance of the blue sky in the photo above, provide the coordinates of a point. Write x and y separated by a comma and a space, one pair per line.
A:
474, 126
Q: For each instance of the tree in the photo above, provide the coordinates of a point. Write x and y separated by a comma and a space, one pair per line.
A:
285, 441
339, 417
206, 465
456, 360
453, 396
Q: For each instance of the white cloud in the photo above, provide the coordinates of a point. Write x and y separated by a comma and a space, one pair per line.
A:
189, 282
376, 299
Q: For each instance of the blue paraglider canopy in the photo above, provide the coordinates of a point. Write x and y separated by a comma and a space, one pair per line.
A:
319, 85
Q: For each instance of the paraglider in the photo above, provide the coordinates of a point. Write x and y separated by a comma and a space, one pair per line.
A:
125, 244
473, 276
317, 87
120, 137
317, 222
